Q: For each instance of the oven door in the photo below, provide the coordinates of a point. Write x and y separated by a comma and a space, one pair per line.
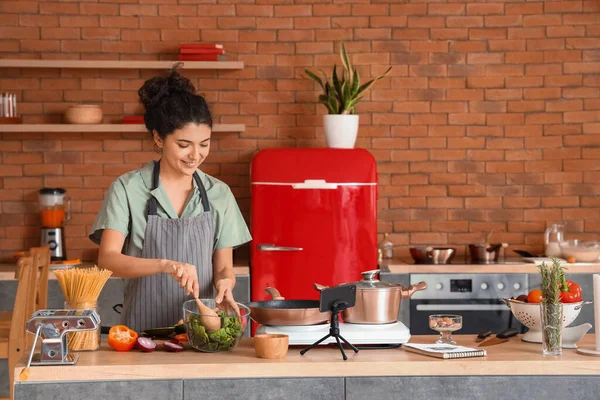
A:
478, 315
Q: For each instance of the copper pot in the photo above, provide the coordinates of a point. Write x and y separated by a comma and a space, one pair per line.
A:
377, 302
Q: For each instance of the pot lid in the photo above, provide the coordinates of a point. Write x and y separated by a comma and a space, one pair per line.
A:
370, 283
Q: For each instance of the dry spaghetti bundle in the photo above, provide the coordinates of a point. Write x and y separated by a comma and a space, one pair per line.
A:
81, 288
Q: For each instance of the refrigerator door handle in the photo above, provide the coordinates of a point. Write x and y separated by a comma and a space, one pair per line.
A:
272, 247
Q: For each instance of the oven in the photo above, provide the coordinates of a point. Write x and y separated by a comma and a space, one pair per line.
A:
474, 296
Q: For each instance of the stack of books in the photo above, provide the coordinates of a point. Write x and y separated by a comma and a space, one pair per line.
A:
201, 52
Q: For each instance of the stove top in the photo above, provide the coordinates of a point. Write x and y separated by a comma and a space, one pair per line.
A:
357, 334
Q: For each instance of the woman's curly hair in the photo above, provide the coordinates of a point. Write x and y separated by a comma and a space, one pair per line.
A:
171, 103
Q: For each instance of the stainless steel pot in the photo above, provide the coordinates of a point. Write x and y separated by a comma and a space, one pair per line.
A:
377, 302
432, 255
485, 253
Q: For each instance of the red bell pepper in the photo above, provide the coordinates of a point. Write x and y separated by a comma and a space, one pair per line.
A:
570, 292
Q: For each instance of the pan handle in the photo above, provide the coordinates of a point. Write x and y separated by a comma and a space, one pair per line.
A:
274, 293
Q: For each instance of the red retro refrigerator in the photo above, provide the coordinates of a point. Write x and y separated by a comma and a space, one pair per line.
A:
313, 219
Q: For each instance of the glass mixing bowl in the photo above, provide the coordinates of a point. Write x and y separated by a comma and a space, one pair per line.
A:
224, 339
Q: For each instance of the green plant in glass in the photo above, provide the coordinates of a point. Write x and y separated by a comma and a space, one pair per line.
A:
342, 93
551, 308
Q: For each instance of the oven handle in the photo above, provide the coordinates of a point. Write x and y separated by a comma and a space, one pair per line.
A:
461, 307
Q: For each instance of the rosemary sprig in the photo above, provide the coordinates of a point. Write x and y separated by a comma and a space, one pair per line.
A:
551, 306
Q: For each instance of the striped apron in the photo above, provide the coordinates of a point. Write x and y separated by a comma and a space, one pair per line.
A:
156, 301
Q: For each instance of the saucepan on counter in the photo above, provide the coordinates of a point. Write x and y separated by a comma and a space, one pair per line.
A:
485, 253
377, 302
281, 312
432, 255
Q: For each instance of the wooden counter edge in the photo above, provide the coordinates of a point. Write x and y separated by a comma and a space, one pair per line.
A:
512, 358
7, 271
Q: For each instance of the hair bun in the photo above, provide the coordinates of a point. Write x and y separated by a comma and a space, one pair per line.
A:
157, 88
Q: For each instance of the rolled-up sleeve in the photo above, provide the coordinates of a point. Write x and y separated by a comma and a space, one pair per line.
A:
114, 213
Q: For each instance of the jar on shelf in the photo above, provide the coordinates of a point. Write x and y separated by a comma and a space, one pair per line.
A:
387, 247
552, 238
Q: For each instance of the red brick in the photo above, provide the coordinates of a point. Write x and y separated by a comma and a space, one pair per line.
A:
488, 33
505, 119
464, 22
485, 9
526, 33
508, 20
524, 8
525, 106
541, 20
524, 57
565, 31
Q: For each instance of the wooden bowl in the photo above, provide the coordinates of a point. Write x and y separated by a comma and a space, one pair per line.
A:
84, 114
271, 346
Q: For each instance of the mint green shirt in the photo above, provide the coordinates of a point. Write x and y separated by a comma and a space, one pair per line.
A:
125, 207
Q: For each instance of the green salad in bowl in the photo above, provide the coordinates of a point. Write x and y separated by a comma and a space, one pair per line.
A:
211, 341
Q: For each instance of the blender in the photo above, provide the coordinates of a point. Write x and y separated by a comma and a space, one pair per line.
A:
52, 210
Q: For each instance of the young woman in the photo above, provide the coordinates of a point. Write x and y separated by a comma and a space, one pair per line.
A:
168, 227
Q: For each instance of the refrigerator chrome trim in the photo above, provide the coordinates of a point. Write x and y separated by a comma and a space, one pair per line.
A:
305, 183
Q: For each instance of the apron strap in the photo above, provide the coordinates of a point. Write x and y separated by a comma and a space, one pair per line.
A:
205, 203
153, 204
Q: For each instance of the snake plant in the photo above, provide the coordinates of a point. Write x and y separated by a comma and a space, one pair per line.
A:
341, 95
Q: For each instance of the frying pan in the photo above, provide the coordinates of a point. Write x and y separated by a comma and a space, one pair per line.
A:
281, 312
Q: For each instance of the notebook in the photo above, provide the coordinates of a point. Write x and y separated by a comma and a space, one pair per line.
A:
444, 350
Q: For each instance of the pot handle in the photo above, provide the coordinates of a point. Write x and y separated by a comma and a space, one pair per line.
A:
274, 293
406, 293
320, 287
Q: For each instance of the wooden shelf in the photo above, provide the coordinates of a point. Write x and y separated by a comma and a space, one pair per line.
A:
101, 128
118, 64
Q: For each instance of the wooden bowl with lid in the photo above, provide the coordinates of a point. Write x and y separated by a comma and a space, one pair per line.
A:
84, 114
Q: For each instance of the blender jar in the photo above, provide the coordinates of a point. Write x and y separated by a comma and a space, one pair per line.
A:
52, 207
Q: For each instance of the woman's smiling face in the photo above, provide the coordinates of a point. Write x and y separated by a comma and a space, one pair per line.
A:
186, 148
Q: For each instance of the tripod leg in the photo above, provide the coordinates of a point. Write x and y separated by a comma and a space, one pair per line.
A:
349, 344
314, 344
341, 348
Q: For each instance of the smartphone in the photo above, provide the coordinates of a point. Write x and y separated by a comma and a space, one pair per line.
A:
344, 293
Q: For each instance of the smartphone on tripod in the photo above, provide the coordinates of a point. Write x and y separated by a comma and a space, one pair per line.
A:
338, 297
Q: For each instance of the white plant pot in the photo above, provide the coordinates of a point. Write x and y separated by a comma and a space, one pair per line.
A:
340, 130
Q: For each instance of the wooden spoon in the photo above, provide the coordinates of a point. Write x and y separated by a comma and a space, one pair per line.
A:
208, 317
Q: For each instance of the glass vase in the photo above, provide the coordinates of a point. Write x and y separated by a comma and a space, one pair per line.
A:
86, 340
552, 327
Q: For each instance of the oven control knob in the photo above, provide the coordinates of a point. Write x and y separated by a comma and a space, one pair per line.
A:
517, 286
484, 286
500, 286
439, 286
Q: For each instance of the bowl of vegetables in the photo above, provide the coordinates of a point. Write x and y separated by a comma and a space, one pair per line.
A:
201, 331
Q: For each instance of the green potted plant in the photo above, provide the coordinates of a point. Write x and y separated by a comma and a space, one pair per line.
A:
340, 96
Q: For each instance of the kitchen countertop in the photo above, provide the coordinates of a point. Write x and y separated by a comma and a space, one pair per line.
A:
515, 265
514, 357
7, 271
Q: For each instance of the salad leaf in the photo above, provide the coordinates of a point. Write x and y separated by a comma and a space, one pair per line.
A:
223, 339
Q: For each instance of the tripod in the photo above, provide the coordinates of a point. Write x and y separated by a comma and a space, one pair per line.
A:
334, 329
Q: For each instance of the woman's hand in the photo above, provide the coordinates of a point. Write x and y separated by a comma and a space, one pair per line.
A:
185, 274
224, 297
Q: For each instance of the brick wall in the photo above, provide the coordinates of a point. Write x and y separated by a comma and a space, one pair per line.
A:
489, 120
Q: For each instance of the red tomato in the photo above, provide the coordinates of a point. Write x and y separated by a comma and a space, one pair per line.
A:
535, 296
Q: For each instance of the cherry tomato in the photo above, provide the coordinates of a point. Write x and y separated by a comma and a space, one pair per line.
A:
535, 296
